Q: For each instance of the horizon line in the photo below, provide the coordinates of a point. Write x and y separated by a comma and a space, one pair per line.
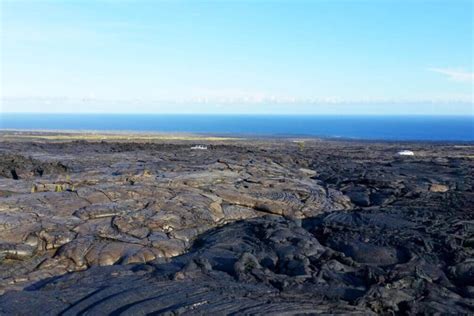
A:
231, 114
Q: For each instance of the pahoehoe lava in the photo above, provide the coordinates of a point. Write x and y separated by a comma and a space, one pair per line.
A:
244, 227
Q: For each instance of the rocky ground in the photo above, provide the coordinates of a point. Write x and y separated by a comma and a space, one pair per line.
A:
245, 227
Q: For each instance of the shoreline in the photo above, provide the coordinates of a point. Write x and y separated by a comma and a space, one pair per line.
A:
124, 135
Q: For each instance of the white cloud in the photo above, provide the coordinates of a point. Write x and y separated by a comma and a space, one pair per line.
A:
455, 74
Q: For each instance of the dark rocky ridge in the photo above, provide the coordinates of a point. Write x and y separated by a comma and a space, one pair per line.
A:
243, 227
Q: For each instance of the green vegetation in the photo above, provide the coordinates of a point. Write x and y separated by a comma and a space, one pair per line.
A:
301, 145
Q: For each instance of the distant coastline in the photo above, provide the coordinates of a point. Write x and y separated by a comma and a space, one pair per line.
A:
375, 128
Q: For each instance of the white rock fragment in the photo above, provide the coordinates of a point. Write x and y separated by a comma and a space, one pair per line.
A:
406, 153
199, 147
308, 172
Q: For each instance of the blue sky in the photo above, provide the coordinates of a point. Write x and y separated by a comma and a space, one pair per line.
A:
319, 57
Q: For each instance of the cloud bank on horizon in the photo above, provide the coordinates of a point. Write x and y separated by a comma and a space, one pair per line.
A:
281, 57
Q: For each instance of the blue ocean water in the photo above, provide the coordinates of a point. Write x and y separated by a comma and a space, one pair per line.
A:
434, 128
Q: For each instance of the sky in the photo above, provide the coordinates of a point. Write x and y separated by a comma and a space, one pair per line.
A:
386, 57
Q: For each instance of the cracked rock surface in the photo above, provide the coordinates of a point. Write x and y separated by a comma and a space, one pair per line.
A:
246, 226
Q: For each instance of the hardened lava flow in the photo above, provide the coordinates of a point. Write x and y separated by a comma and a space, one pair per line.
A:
235, 227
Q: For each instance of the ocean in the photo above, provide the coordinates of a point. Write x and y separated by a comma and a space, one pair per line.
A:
430, 128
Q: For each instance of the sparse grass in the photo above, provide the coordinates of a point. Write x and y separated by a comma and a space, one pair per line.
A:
115, 137
69, 185
301, 145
